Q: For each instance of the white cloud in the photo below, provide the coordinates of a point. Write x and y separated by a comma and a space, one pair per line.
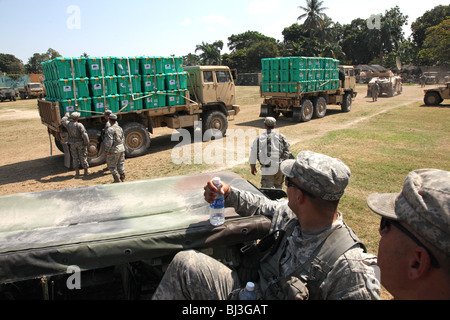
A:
185, 22
264, 7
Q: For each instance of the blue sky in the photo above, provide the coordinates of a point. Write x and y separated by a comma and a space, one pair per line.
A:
162, 28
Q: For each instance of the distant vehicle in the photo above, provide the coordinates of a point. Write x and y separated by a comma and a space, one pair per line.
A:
431, 77
388, 82
435, 96
447, 77
32, 90
7, 93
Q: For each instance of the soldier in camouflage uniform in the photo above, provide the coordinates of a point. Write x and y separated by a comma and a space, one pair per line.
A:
115, 149
78, 141
414, 249
375, 90
270, 149
291, 269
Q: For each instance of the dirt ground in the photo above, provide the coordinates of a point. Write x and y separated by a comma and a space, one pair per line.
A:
29, 163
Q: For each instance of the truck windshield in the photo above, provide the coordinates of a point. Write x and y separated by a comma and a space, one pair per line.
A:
207, 76
223, 76
35, 86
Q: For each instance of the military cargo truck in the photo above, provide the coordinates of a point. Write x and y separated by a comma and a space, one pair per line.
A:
113, 241
32, 90
209, 98
304, 87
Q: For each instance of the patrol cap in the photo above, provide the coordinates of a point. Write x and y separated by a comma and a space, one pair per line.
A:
319, 174
113, 117
423, 204
75, 115
270, 121
108, 112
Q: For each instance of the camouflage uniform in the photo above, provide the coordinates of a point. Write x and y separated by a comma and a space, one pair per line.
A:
375, 90
270, 149
193, 275
423, 204
114, 146
78, 141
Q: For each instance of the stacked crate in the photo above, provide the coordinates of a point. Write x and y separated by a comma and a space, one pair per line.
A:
308, 73
120, 84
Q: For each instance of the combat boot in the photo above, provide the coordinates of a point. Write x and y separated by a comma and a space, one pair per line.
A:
87, 172
122, 177
77, 173
116, 178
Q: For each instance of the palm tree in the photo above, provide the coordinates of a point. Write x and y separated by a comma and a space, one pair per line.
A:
211, 52
315, 18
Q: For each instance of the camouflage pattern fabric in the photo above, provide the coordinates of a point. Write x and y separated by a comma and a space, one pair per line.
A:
78, 141
114, 146
351, 278
423, 204
79, 155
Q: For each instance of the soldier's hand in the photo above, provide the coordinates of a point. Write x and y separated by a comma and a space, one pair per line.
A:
211, 191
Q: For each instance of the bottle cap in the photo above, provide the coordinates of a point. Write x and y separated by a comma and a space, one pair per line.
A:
250, 286
216, 181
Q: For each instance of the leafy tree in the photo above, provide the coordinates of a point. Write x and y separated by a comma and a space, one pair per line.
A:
10, 64
436, 47
210, 52
34, 63
191, 59
246, 40
428, 19
315, 18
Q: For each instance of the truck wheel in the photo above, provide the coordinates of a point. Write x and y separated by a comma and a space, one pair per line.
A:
215, 120
96, 152
432, 98
320, 107
137, 139
307, 110
346, 105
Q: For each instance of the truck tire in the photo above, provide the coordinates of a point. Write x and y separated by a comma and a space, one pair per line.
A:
216, 120
137, 139
346, 105
307, 110
96, 151
320, 107
432, 98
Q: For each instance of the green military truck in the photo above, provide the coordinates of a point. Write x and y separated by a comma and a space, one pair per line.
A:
209, 98
301, 87
113, 241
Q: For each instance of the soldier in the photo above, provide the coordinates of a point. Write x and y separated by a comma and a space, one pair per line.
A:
270, 149
375, 90
414, 249
422, 80
115, 150
78, 141
310, 252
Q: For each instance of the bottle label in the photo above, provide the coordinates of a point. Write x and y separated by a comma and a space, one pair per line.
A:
218, 203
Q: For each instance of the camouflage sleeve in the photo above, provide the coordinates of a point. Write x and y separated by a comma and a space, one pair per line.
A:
83, 133
352, 278
247, 204
285, 147
65, 121
108, 139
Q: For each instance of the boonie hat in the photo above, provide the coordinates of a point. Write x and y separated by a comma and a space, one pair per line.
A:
113, 117
319, 174
423, 204
75, 115
270, 121
107, 112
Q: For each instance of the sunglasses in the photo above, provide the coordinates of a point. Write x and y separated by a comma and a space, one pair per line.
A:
386, 223
290, 183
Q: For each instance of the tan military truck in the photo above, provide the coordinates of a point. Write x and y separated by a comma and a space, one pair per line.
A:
435, 96
210, 98
389, 84
32, 90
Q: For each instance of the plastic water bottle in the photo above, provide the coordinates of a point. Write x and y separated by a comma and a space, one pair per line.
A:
248, 293
217, 208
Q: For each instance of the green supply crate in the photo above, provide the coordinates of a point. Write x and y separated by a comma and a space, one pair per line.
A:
265, 64
274, 87
310, 75
301, 84
310, 61
275, 64
176, 81
265, 75
284, 63
323, 85
327, 63
176, 97
122, 64
148, 65
311, 85
82, 87
334, 74
85, 107
99, 103
265, 87
318, 74
298, 63
65, 89
94, 66
298, 75
173, 64
327, 74
154, 100
284, 87
63, 67
274, 76
66, 105
96, 86
154, 82
128, 104
127, 84
284, 75
82, 105
317, 63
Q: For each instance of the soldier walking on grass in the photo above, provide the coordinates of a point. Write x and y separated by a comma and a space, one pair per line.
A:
78, 141
115, 149
375, 90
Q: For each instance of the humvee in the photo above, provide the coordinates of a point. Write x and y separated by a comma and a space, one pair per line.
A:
434, 96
